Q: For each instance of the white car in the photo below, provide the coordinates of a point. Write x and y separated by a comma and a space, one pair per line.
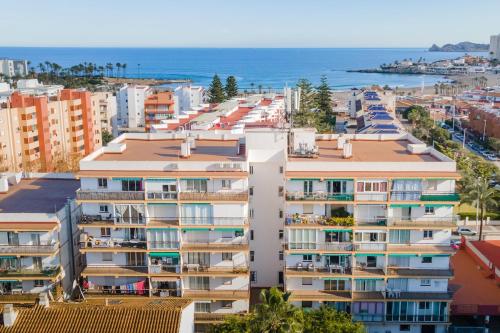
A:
466, 231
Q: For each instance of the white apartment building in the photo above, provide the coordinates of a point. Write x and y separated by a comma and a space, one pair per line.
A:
130, 104
495, 47
358, 222
33, 87
188, 98
12, 67
104, 103
37, 230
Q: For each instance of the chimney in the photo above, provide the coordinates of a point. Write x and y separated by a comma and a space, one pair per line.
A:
9, 315
43, 299
192, 142
185, 150
347, 152
340, 142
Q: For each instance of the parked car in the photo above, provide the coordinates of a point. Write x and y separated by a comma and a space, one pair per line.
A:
466, 231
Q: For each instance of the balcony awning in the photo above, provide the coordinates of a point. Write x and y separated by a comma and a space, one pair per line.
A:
229, 229
438, 205
165, 254
369, 254
8, 257
133, 178
403, 255
161, 179
337, 230
196, 204
440, 178
407, 179
5, 280
195, 229
404, 205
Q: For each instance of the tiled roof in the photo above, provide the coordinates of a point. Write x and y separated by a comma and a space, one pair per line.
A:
124, 316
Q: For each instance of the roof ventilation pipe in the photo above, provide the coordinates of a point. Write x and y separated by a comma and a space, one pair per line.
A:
347, 152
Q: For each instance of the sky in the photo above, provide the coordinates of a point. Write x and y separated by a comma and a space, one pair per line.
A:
238, 23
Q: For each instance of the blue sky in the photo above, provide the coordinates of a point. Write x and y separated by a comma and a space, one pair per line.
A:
256, 23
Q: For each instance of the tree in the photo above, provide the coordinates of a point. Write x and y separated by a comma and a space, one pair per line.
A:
106, 137
480, 195
305, 117
231, 87
324, 102
326, 320
216, 91
232, 324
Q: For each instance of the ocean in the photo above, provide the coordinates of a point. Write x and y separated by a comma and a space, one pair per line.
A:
269, 68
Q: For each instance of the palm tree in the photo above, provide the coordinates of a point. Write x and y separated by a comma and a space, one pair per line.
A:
477, 192
118, 66
124, 70
275, 314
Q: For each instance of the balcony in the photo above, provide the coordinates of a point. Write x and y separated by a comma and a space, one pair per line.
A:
425, 222
161, 195
321, 295
110, 220
213, 221
216, 294
440, 196
419, 272
214, 196
106, 244
116, 271
378, 221
423, 296
370, 247
307, 270
196, 269
318, 196
162, 292
341, 246
367, 317
164, 269
30, 273
164, 245
405, 195
430, 318
318, 220
421, 248
221, 245
35, 250
109, 196
371, 196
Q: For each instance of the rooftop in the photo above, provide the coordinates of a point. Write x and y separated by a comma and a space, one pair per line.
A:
39, 195
170, 150
120, 315
490, 249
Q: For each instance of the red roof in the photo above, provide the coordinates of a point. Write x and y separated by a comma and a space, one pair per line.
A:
490, 249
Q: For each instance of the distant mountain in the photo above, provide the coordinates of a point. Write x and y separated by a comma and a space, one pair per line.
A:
460, 47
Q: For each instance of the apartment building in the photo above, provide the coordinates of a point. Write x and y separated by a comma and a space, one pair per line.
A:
188, 98
37, 226
104, 107
158, 107
38, 131
495, 47
359, 222
13, 67
130, 103
167, 215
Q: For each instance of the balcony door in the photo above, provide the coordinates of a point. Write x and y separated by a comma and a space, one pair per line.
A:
13, 238
196, 185
199, 258
199, 283
35, 239
336, 186
129, 214
135, 259
37, 263
308, 186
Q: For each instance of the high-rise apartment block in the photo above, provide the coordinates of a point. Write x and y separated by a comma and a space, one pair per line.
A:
158, 107
130, 103
359, 222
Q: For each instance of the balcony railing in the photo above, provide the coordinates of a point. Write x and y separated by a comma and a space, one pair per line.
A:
344, 246
371, 196
105, 242
213, 220
217, 294
318, 196
166, 292
42, 248
22, 271
228, 245
111, 220
159, 245
440, 196
164, 268
367, 317
405, 195
161, 195
122, 195
196, 268
425, 222
214, 196
294, 219
370, 247
417, 318
311, 269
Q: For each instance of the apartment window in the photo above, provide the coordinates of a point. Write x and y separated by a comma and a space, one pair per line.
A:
280, 234
227, 304
426, 260
307, 257
103, 208
250, 190
281, 169
105, 232
238, 233
281, 190
251, 169
226, 183
335, 285
425, 282
250, 213
424, 305
227, 281
308, 186
371, 261
280, 278
251, 234
196, 185
102, 182
307, 281
404, 328
131, 185
307, 209
202, 307
107, 256
429, 210
252, 256
280, 255
281, 214
307, 304
428, 234
169, 188
371, 187
253, 276
227, 256
38, 283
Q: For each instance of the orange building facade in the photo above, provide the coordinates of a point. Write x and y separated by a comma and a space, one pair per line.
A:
158, 107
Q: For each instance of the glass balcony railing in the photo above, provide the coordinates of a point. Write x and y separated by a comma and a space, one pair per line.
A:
318, 196
440, 196
161, 195
105, 195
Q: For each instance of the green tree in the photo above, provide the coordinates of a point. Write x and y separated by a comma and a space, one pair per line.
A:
216, 91
324, 101
231, 87
326, 320
480, 195
232, 324
106, 137
305, 116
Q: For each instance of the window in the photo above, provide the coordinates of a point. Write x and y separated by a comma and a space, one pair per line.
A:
107, 256
426, 260
371, 261
238, 233
307, 281
253, 276
251, 169
425, 282
226, 304
307, 304
371, 187
103, 208
227, 281
251, 234
281, 214
196, 185
308, 186
250, 190
428, 234
252, 256
102, 182
201, 307
251, 212
280, 277
38, 283
308, 209
226, 183
307, 257
280, 234
281, 190
335, 285
281, 169
169, 188
227, 256
424, 305
280, 255
429, 210
105, 232
404, 328
132, 185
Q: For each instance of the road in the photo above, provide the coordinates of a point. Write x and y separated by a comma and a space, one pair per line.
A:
456, 139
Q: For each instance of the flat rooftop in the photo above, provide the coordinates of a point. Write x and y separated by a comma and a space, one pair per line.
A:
367, 151
170, 150
40, 195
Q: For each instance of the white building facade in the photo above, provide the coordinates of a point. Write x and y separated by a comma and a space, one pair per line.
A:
130, 106
495, 47
188, 98
12, 67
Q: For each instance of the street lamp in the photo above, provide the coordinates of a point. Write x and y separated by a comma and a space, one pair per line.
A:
463, 140
484, 130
